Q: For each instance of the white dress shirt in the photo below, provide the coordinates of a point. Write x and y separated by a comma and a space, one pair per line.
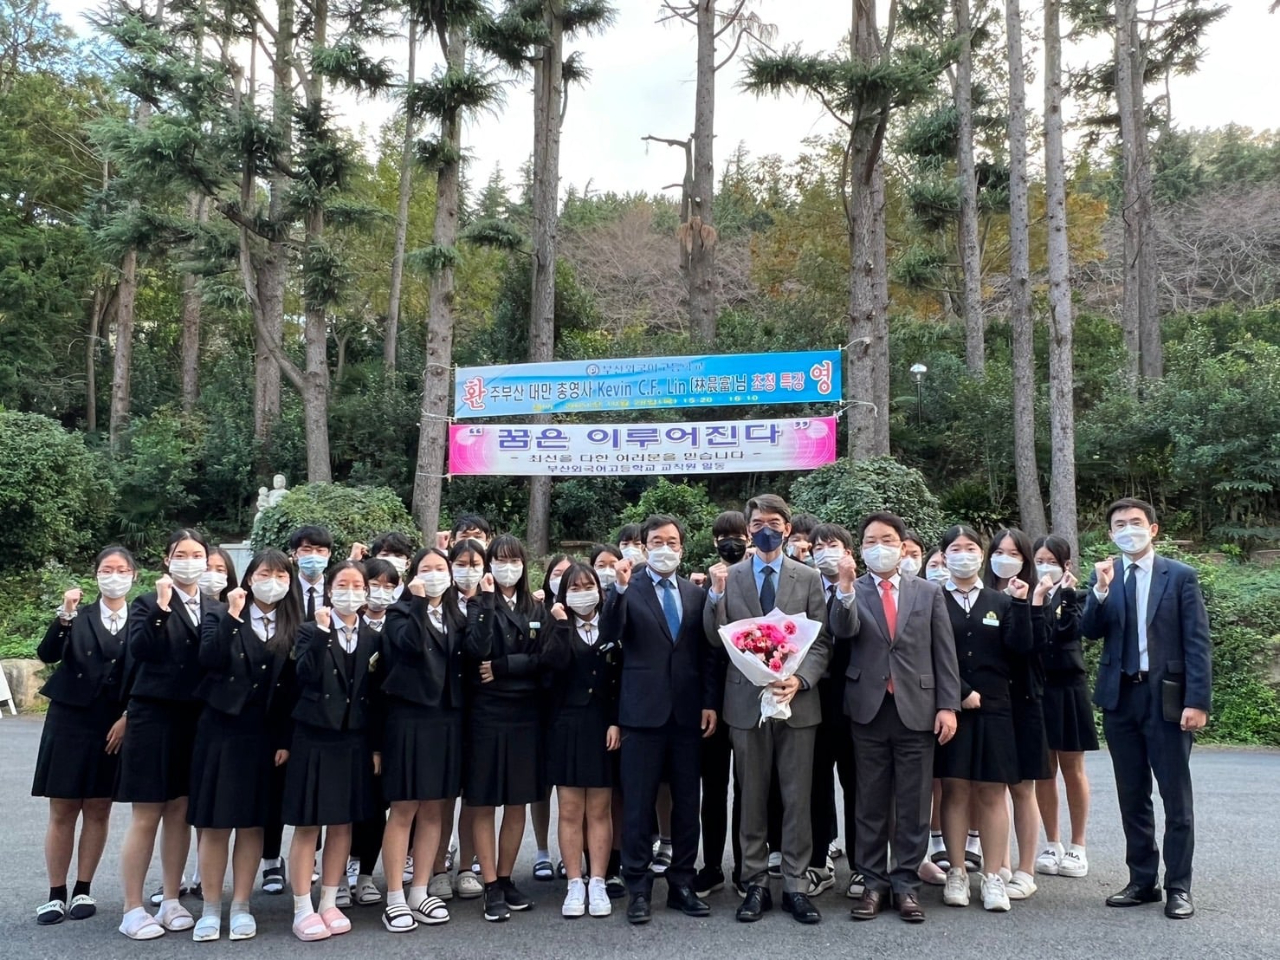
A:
1142, 581
965, 597
588, 630
190, 602
262, 622
113, 620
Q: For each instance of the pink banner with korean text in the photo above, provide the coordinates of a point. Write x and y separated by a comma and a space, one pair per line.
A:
736, 446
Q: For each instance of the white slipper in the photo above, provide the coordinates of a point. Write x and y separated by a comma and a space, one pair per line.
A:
140, 925
243, 926
206, 929
174, 917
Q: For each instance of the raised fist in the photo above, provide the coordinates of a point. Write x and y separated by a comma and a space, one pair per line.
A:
358, 552
486, 583
719, 575
1018, 589
1044, 587
622, 572
1105, 570
164, 591
442, 540
1069, 580
417, 587
323, 618
235, 602
847, 572
71, 599
558, 612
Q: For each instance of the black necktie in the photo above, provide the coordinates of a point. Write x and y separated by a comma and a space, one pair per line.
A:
767, 592
1131, 660
311, 603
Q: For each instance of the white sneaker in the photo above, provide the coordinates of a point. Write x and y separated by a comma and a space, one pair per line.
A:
956, 892
820, 881
353, 872
1074, 863
598, 902
468, 886
994, 896
408, 869
575, 900
1005, 874
441, 886
1050, 860
1021, 887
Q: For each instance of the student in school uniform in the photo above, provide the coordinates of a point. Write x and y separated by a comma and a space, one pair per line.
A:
504, 731
540, 812
583, 666
243, 733
422, 736
80, 743
471, 526
800, 542
1068, 714
219, 577
328, 780
604, 560
1010, 557
933, 869
992, 629
913, 553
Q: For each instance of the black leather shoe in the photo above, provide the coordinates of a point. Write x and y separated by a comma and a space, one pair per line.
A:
758, 901
801, 907
638, 910
682, 898
868, 905
1178, 905
1134, 895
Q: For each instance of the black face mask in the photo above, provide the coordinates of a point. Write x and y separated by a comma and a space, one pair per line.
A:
731, 551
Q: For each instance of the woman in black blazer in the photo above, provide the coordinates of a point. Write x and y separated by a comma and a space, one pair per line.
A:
329, 774
503, 729
155, 754
80, 743
244, 731
583, 667
422, 735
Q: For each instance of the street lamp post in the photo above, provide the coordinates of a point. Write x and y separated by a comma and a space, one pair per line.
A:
918, 370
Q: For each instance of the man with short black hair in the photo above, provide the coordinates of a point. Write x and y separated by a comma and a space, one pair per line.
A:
310, 548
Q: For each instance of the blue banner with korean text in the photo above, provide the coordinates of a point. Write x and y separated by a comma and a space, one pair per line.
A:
647, 383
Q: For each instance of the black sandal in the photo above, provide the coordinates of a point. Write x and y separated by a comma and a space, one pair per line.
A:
398, 911
55, 911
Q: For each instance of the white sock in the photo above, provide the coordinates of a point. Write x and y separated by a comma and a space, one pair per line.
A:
328, 898
212, 909
395, 897
302, 906
267, 864
364, 878
195, 875
1055, 846
417, 894
134, 916
1077, 848
543, 855
239, 907
168, 905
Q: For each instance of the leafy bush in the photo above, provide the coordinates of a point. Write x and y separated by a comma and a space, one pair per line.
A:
350, 514
155, 474
846, 491
688, 504
55, 495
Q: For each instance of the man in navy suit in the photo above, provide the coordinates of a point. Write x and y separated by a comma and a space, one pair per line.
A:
665, 707
1154, 688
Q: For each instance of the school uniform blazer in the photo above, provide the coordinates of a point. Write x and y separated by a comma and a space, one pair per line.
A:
1063, 651
324, 690
86, 653
424, 665
579, 674
990, 642
508, 639
164, 646
1178, 646
237, 663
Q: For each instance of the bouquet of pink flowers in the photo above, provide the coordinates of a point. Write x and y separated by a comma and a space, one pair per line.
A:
770, 648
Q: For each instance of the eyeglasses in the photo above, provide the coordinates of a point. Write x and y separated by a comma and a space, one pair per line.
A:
776, 524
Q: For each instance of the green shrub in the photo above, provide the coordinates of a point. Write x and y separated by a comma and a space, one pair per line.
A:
350, 514
846, 491
688, 504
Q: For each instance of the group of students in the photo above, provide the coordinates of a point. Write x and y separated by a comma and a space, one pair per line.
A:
359, 700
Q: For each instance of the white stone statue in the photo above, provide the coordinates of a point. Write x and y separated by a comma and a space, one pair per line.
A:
278, 490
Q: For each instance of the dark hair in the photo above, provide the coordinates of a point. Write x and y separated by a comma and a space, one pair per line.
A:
465, 547
115, 550
1131, 503
316, 536
1023, 544
576, 571
375, 569
826, 532
1060, 547
288, 608
418, 557
231, 570
885, 517
629, 532
393, 543
600, 549
955, 533
803, 523
768, 503
471, 521
731, 523
186, 533
912, 537
924, 564
507, 547
657, 520
547, 592
332, 574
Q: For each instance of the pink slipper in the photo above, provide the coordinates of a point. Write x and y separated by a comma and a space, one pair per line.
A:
336, 921
311, 927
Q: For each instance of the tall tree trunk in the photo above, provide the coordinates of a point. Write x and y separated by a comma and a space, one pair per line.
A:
1062, 424
548, 107
1133, 133
433, 435
272, 270
96, 316
191, 320
1026, 470
122, 364
702, 254
402, 221
970, 251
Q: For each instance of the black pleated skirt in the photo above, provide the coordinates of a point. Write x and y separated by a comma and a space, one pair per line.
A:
984, 748
576, 753
1029, 734
1068, 715
155, 757
328, 778
422, 752
73, 763
231, 770
504, 749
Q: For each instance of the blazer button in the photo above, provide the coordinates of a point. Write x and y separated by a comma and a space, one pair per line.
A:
590, 690
326, 696
242, 656
255, 686
79, 676
264, 666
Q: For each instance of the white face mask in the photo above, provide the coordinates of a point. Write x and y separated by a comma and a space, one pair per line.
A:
507, 572
554, 586
401, 564
634, 554
664, 560
1050, 570
113, 586
467, 577
962, 566
1005, 567
347, 602
212, 583
938, 574
435, 582
607, 576
270, 591
187, 572
582, 602
1132, 540
882, 558
909, 566
827, 560
381, 597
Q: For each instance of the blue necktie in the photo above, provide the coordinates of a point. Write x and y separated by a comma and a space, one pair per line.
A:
671, 608
768, 593
1131, 660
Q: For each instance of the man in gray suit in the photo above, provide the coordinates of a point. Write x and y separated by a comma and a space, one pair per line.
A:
902, 690
752, 588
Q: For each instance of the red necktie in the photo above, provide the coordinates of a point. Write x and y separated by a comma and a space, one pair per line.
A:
890, 615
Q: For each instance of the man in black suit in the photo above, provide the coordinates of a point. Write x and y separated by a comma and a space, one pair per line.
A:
1154, 687
665, 708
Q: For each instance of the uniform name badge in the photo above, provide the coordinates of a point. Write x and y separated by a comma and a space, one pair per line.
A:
991, 620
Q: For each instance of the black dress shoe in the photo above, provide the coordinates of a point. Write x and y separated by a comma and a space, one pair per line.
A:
801, 907
638, 910
681, 897
1134, 895
868, 905
1178, 905
758, 901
